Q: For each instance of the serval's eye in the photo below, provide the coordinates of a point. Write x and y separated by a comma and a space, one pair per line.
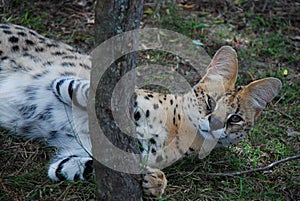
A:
210, 103
234, 119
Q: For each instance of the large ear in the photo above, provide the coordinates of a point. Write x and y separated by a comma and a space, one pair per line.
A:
223, 68
261, 92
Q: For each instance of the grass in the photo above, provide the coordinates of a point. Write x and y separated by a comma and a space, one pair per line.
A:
265, 48
24, 175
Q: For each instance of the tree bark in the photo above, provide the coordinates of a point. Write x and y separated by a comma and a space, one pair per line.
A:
114, 17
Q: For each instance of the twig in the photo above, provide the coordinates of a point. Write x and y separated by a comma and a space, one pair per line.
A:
265, 6
283, 114
268, 167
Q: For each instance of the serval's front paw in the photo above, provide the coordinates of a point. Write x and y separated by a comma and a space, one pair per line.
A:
154, 184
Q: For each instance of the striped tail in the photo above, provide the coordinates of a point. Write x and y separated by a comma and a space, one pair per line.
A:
72, 91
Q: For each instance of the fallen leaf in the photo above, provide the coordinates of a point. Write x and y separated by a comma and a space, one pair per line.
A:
148, 11
189, 6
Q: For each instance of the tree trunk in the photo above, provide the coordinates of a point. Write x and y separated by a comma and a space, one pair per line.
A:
114, 17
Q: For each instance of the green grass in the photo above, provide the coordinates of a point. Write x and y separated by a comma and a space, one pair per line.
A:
264, 48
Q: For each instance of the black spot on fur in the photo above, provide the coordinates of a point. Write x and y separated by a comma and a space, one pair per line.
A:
69, 57
46, 114
152, 141
58, 53
42, 39
19, 28
68, 74
48, 63
70, 134
58, 172
29, 42
171, 102
51, 45
181, 151
196, 93
40, 75
85, 66
26, 54
147, 113
52, 134
74, 50
76, 177
13, 39
150, 95
67, 64
31, 92
153, 151
155, 106
179, 117
146, 97
137, 116
22, 34
88, 170
20, 67
1, 52
160, 101
154, 119
39, 49
174, 120
4, 27
33, 33
7, 32
15, 48
27, 111
13, 61
4, 58
159, 159
191, 149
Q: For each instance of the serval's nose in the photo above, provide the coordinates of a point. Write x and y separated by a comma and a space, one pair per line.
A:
215, 123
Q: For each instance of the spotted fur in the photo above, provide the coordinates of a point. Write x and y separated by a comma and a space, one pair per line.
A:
44, 89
